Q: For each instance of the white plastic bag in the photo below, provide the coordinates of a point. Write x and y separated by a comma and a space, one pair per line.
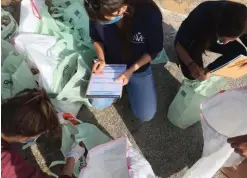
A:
46, 66
184, 110
116, 159
30, 15
43, 43
63, 70
224, 116
40, 56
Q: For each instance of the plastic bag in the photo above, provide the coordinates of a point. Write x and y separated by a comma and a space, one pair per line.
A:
16, 76
75, 89
54, 72
9, 27
62, 69
48, 26
116, 159
89, 134
45, 65
43, 43
74, 14
184, 110
217, 127
66, 107
30, 15
161, 58
7, 49
68, 78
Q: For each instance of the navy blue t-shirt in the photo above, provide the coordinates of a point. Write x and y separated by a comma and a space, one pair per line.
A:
197, 21
146, 34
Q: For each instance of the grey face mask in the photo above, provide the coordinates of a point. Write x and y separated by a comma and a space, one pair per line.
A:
220, 42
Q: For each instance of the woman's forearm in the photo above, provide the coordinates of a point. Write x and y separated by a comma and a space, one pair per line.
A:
146, 58
99, 49
183, 54
69, 167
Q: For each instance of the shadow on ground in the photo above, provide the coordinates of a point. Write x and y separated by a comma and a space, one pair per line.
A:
167, 148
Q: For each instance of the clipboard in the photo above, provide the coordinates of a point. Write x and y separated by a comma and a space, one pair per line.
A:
233, 68
104, 85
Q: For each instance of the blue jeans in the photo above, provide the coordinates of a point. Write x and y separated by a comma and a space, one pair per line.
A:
142, 96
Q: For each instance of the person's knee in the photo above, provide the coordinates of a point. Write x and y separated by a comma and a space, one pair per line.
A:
146, 114
100, 103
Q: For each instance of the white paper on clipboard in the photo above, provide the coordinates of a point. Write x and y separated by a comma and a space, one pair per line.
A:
104, 85
233, 69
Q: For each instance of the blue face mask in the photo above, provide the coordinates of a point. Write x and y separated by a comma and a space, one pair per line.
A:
116, 19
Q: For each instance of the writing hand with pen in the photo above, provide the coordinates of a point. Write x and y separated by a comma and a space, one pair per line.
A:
98, 66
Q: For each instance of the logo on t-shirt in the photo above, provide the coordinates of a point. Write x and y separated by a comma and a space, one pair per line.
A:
138, 38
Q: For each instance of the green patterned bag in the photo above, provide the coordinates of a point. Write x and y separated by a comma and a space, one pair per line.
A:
15, 76
184, 110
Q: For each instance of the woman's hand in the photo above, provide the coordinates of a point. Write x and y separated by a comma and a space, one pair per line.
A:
197, 72
98, 66
239, 144
77, 151
125, 77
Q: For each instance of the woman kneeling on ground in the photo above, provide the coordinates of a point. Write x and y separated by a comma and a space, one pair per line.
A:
24, 118
127, 32
214, 26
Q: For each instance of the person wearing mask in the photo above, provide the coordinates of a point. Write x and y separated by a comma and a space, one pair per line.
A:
25, 117
213, 26
127, 32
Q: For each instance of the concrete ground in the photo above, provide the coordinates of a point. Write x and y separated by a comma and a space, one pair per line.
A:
184, 6
170, 150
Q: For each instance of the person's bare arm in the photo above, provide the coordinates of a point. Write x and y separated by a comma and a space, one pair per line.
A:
69, 167
99, 49
195, 70
183, 55
125, 77
239, 144
146, 58
100, 64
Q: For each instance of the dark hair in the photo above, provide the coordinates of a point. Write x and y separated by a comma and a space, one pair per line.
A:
229, 20
232, 20
98, 9
28, 114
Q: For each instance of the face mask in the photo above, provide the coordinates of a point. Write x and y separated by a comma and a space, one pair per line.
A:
220, 42
116, 19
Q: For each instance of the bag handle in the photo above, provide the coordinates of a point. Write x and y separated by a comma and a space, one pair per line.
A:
35, 9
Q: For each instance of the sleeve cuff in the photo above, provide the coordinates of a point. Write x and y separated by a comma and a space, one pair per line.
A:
154, 55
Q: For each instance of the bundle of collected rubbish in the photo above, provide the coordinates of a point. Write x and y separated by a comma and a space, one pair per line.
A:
50, 49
